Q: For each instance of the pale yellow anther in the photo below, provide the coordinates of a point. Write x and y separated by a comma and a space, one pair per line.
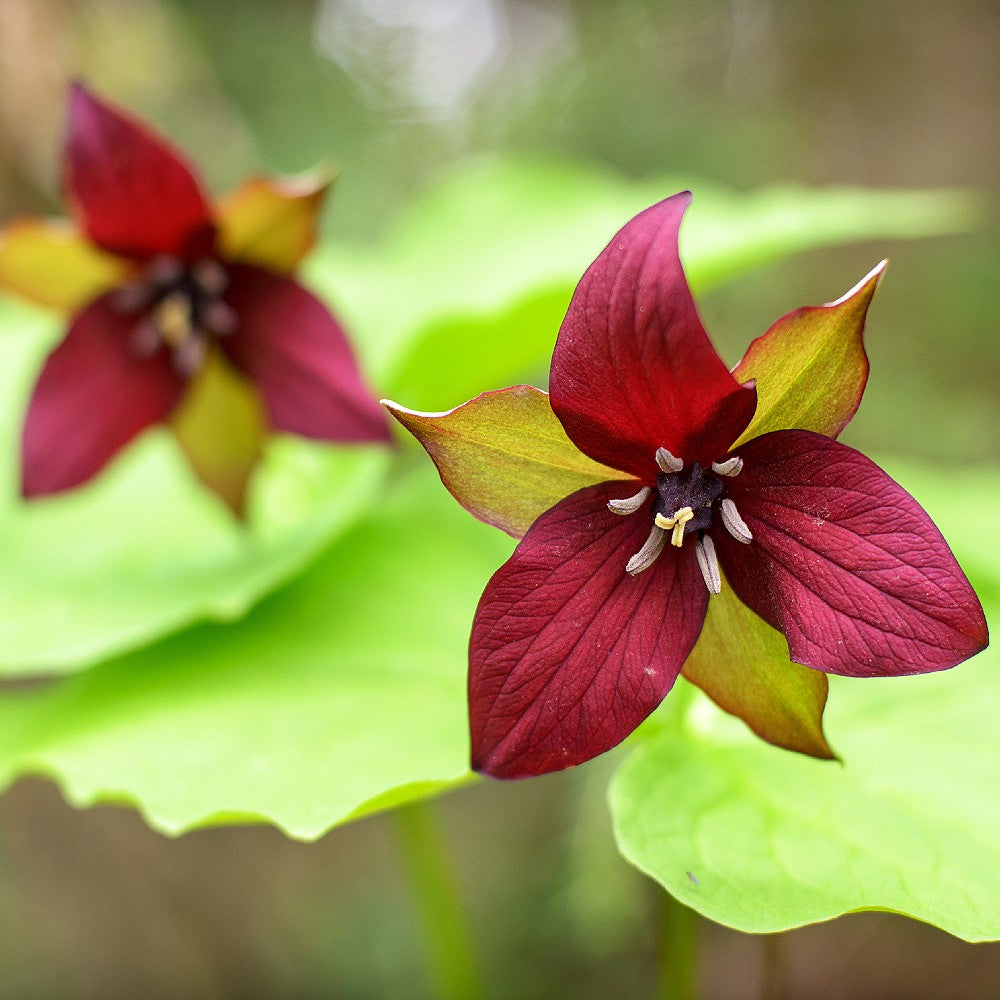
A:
682, 517
173, 319
677, 522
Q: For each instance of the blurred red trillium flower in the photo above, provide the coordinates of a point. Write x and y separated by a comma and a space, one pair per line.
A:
182, 311
679, 516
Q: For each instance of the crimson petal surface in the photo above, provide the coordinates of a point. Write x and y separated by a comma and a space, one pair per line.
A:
845, 562
568, 652
299, 358
130, 191
94, 395
633, 369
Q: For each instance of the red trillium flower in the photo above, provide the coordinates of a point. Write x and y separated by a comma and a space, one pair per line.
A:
181, 311
679, 516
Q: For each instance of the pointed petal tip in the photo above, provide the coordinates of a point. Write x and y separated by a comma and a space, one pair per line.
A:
484, 765
675, 204
381, 432
370, 425
83, 102
32, 490
80, 104
808, 744
410, 420
400, 412
499, 771
822, 751
519, 392
78, 91
979, 636
313, 183
864, 289
316, 180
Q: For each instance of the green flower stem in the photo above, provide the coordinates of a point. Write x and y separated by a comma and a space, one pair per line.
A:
453, 968
678, 949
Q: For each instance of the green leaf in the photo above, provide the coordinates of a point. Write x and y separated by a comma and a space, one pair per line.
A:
470, 291
144, 550
773, 840
811, 367
504, 455
341, 694
763, 840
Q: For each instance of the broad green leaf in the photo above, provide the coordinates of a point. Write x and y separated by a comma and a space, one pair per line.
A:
143, 550
811, 367
742, 664
342, 693
764, 840
909, 822
470, 291
504, 455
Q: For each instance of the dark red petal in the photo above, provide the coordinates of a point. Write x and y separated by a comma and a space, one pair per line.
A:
568, 652
633, 369
288, 344
130, 191
845, 562
94, 395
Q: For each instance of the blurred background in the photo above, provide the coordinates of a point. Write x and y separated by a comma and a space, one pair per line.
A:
397, 93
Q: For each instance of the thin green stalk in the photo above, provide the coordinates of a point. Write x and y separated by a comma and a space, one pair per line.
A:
451, 959
678, 950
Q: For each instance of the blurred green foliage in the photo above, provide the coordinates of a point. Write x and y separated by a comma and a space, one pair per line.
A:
738, 96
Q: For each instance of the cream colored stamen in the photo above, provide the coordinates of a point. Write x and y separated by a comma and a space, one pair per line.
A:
730, 467
735, 524
667, 462
708, 563
677, 522
631, 504
646, 556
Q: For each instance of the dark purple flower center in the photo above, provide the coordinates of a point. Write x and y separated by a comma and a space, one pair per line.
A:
692, 488
180, 308
686, 500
